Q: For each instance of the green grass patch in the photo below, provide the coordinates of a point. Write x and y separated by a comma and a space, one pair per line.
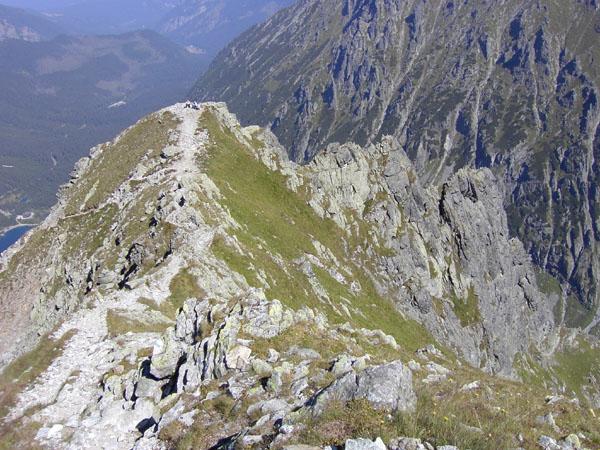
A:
183, 286
19, 437
31, 253
120, 322
112, 166
339, 422
88, 231
237, 262
277, 219
576, 366
303, 336
258, 198
432, 272
576, 314
27, 368
467, 310
532, 372
377, 312
491, 417
547, 283
217, 419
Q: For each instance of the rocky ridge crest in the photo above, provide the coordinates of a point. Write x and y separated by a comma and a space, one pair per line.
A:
226, 295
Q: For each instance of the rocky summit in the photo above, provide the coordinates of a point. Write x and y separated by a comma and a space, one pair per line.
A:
195, 288
509, 85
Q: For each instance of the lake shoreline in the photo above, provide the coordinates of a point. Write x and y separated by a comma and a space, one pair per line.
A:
10, 235
5, 230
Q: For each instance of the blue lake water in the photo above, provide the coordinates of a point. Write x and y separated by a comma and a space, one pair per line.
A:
12, 236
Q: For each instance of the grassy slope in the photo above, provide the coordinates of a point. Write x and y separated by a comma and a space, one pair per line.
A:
278, 226
14, 379
87, 233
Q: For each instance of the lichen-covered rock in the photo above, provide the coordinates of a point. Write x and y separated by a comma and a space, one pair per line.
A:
165, 357
261, 368
409, 444
365, 444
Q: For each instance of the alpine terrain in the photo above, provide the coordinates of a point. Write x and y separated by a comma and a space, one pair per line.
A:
511, 85
16, 23
206, 26
194, 288
209, 25
401, 255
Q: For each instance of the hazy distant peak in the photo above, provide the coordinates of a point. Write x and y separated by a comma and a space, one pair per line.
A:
25, 25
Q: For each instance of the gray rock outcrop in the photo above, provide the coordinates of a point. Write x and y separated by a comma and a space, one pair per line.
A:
388, 387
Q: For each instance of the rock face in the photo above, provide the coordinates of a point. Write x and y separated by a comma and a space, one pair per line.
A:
194, 286
506, 85
365, 444
444, 257
465, 283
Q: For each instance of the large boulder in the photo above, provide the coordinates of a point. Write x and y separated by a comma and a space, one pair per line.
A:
166, 356
385, 387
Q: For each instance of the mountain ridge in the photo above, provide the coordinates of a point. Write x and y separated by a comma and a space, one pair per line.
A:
507, 85
401, 258
205, 26
211, 282
16, 23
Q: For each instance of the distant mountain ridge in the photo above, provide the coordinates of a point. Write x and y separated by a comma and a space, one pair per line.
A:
65, 94
18, 23
207, 25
